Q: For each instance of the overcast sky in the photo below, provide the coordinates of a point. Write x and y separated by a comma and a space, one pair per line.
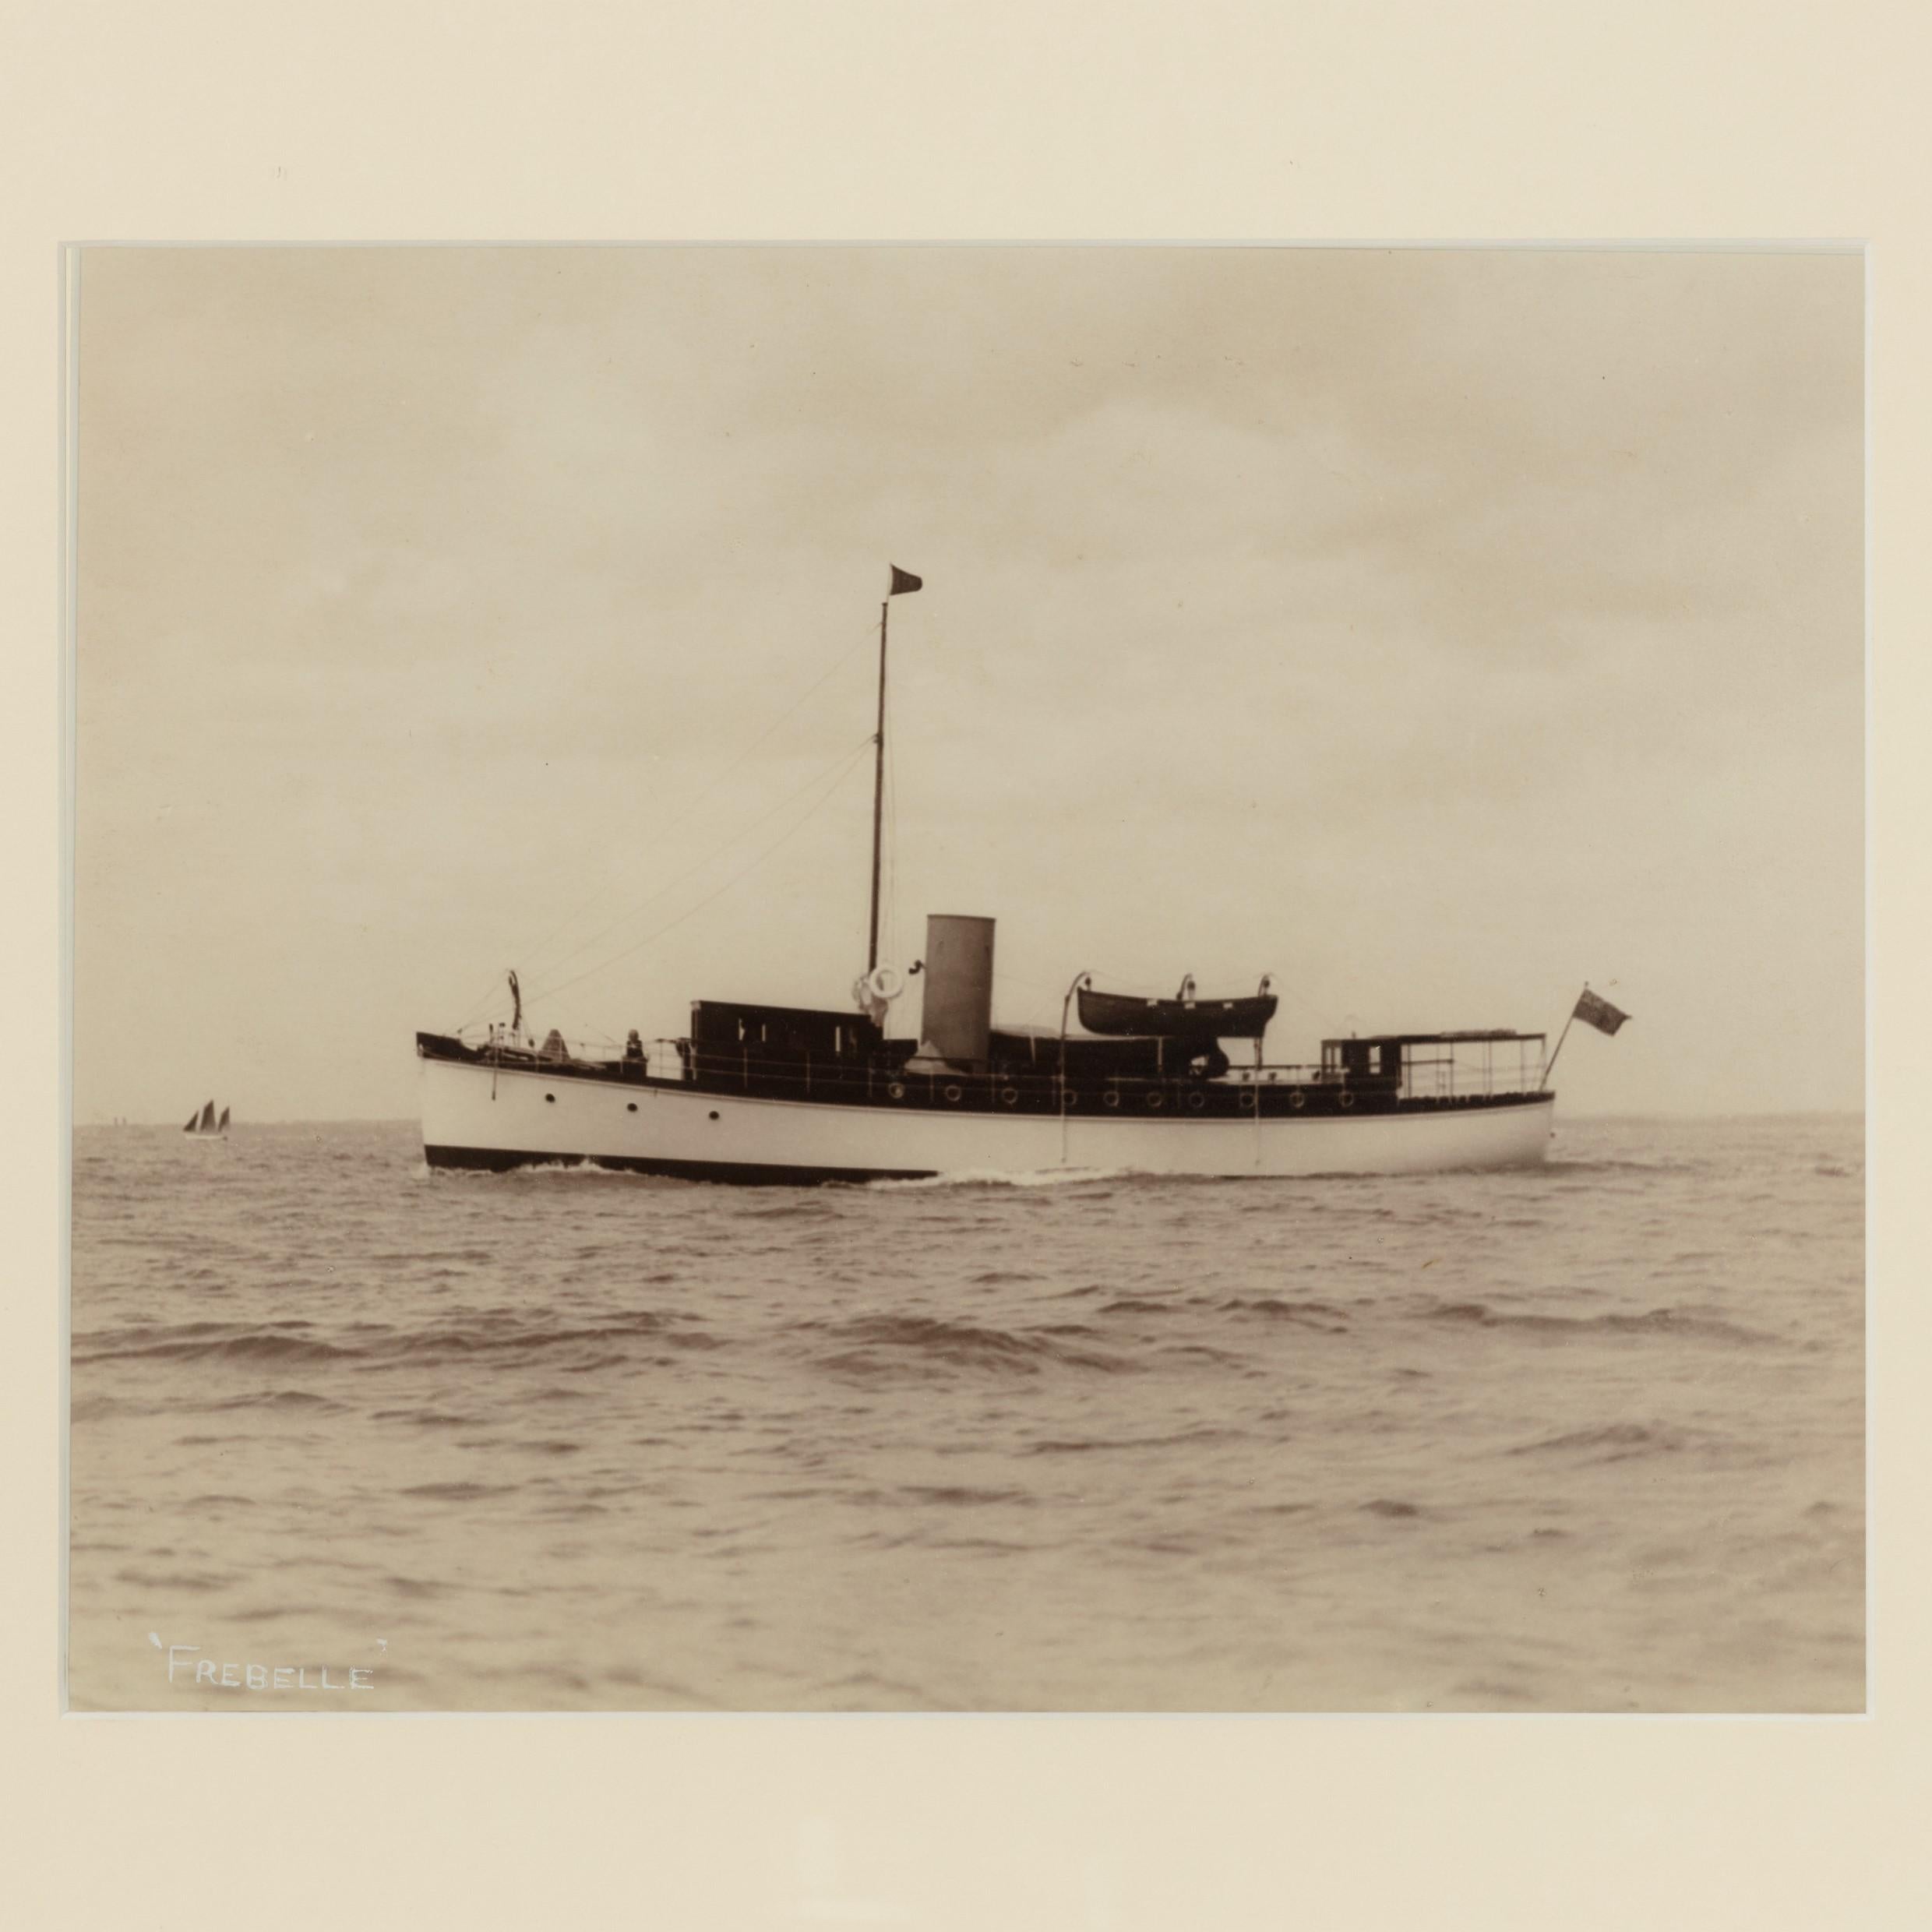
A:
1435, 630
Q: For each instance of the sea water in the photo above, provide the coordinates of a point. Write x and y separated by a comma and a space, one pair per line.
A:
1588, 1437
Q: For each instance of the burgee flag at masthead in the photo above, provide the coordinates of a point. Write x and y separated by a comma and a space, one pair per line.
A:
904, 580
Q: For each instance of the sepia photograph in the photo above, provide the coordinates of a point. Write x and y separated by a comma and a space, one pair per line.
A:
943, 979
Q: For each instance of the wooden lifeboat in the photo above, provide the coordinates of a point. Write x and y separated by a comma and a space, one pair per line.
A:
1243, 1018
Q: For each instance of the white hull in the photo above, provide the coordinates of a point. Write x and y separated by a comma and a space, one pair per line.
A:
477, 1116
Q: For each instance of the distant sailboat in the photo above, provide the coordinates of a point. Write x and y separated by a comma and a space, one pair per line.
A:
205, 1127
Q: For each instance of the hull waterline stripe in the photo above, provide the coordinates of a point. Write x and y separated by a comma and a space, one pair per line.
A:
501, 1160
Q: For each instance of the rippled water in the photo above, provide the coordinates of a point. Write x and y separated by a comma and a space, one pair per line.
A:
1584, 1438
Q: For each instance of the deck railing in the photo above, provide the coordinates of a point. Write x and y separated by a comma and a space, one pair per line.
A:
1452, 1071
1458, 1070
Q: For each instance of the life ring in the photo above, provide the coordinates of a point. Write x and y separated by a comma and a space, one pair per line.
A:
1347, 1099
885, 982
952, 1093
897, 1091
1297, 1099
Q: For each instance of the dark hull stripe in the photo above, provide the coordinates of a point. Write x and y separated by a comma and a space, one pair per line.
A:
740, 1173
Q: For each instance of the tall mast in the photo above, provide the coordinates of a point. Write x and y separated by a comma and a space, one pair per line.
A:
896, 585
878, 789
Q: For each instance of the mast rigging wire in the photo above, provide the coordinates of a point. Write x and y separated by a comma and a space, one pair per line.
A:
790, 832
700, 864
704, 796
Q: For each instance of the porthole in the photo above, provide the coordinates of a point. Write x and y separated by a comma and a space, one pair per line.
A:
714, 1114
1154, 1101
1112, 1100
630, 1106
1249, 1100
1069, 1100
897, 1091
1347, 1099
1196, 1101
551, 1098
1298, 1099
952, 1093
1008, 1095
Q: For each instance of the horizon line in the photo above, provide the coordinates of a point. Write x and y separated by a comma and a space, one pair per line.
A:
411, 1120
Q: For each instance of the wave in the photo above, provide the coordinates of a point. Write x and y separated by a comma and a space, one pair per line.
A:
375, 1346
997, 1177
487, 1337
197, 1581
956, 1495
302, 1399
1614, 1442
871, 1690
875, 1343
253, 1347
1324, 1316
1557, 1165
528, 1170
1684, 1322
1098, 1444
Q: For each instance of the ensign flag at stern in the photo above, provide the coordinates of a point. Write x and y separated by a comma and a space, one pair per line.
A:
1598, 1013
1594, 1010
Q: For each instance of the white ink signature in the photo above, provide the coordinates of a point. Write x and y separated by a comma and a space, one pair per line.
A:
186, 1664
